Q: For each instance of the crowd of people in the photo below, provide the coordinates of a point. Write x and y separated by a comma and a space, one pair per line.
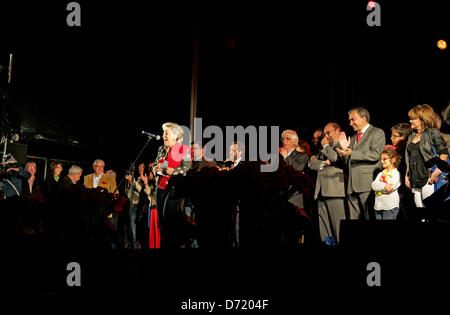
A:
173, 202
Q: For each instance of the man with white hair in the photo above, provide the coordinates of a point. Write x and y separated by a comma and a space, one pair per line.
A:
73, 177
99, 178
292, 157
33, 186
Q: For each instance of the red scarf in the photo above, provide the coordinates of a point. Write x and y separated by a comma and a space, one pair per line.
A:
174, 159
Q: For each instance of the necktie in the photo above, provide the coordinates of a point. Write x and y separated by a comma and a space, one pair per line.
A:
359, 136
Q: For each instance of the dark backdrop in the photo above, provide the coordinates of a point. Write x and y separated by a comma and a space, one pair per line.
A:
91, 90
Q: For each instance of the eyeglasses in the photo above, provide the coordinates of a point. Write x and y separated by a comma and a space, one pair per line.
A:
99, 165
286, 138
382, 160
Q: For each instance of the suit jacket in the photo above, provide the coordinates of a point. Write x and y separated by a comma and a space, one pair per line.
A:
364, 162
106, 181
330, 180
65, 182
37, 188
297, 159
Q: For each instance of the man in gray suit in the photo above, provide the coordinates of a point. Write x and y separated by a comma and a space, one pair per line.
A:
362, 154
330, 185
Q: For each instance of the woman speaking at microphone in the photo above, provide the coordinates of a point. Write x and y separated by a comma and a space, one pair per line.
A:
173, 158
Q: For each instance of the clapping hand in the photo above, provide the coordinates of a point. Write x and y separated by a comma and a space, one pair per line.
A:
343, 141
144, 178
346, 152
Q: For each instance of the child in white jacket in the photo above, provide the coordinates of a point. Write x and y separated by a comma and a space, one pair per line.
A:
386, 186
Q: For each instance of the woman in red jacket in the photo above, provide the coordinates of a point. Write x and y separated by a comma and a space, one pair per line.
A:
173, 158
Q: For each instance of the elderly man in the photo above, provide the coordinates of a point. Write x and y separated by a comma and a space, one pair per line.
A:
99, 178
296, 159
362, 154
330, 185
73, 177
292, 157
33, 185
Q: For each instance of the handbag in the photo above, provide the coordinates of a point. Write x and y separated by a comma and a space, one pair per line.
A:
442, 180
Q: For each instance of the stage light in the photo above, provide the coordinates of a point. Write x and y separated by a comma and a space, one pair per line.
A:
371, 4
442, 44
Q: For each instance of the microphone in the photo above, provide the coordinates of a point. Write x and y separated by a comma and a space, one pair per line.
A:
151, 135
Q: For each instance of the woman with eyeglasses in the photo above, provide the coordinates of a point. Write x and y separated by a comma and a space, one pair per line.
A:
424, 143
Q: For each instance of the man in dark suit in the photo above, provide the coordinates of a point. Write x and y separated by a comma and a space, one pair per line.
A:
362, 154
32, 186
73, 177
330, 185
199, 161
292, 157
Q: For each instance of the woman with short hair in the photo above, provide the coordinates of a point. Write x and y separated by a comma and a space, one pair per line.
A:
173, 158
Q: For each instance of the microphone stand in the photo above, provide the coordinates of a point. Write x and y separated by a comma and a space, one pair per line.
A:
131, 166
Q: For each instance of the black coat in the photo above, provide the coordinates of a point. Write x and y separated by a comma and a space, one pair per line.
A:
50, 184
65, 182
297, 159
37, 188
